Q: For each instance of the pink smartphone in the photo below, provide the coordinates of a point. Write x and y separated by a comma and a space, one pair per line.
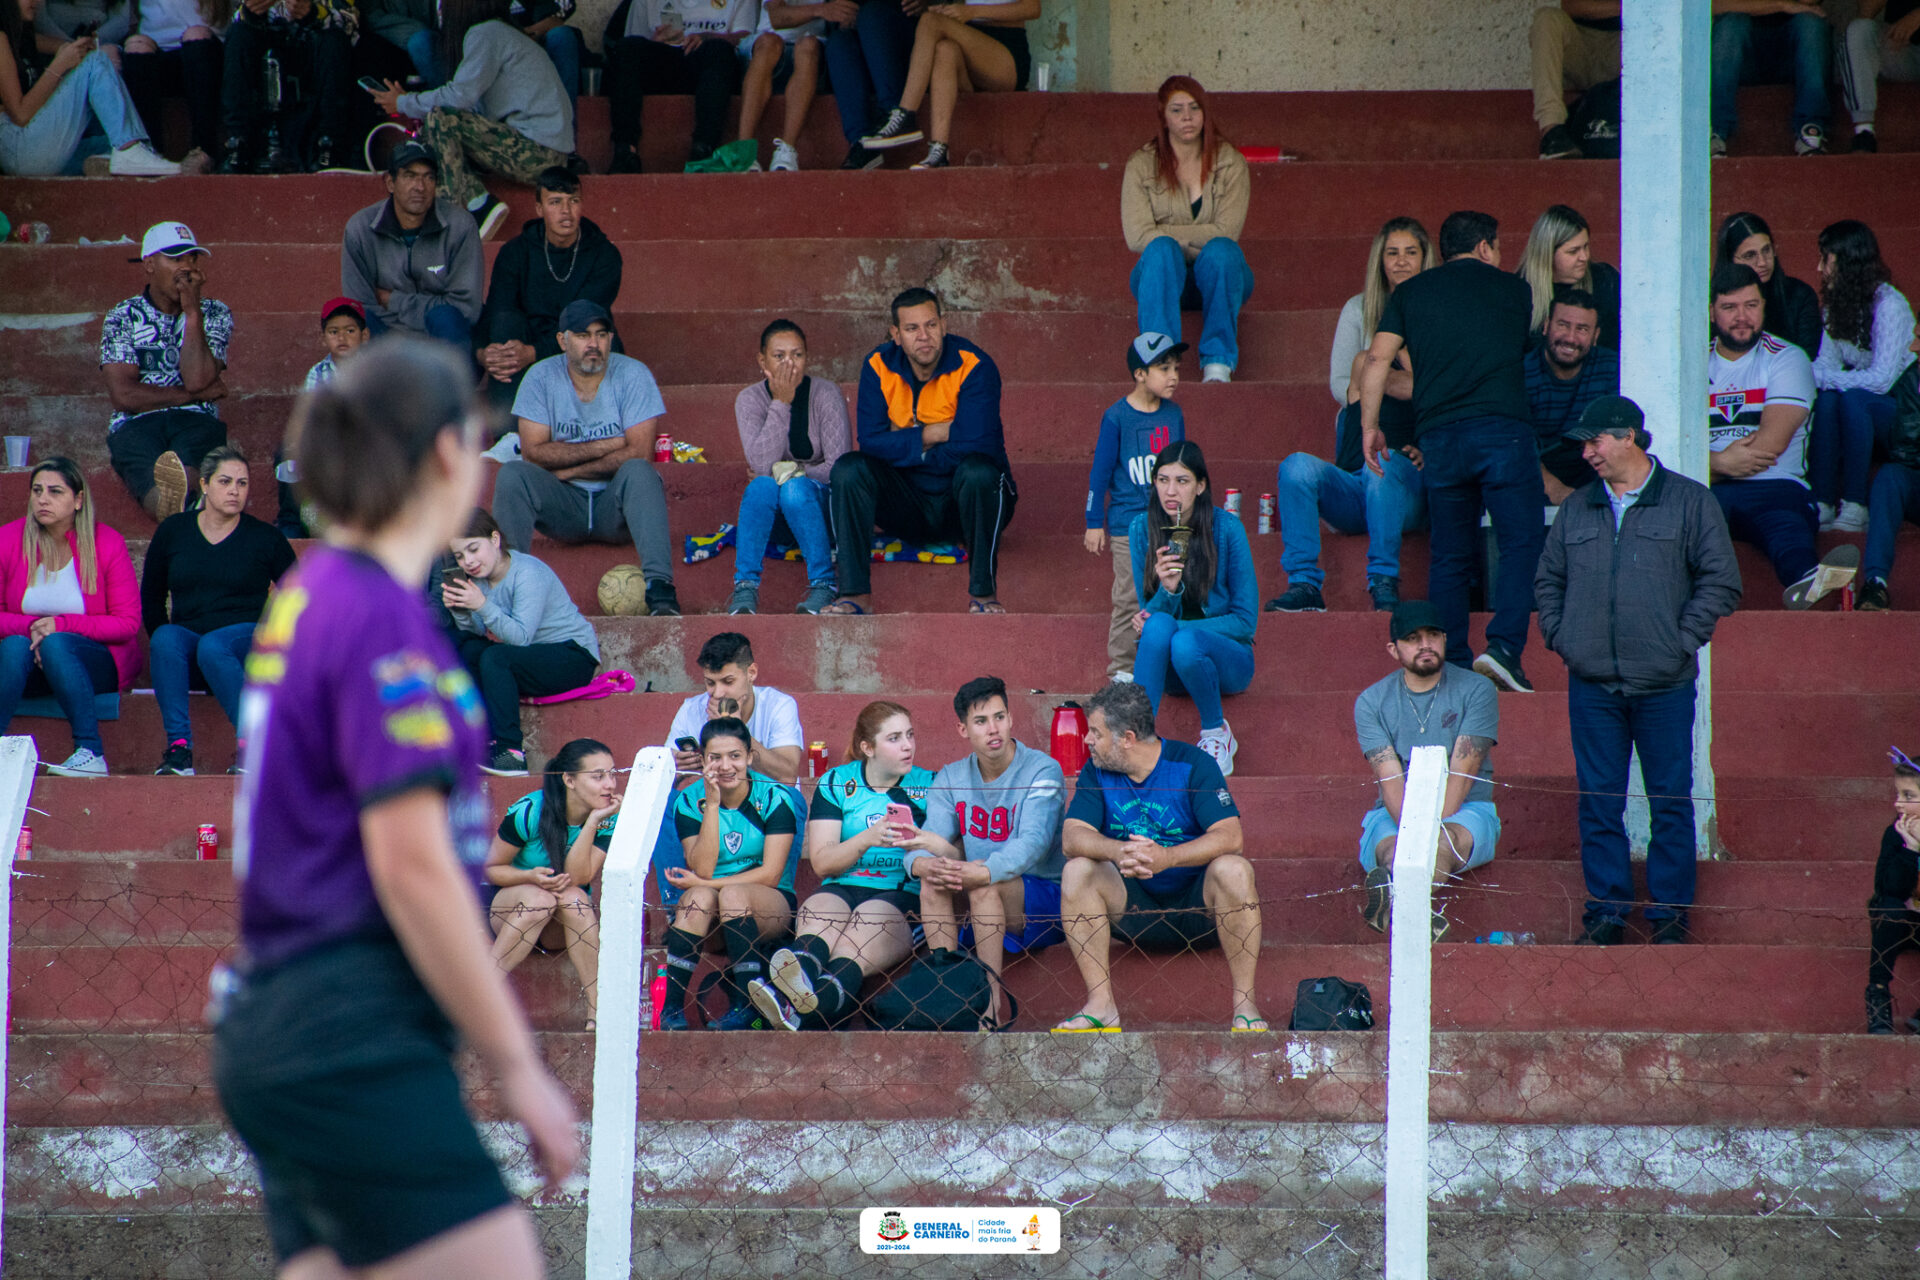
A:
898, 815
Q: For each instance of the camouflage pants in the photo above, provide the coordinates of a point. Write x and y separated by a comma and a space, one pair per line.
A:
466, 140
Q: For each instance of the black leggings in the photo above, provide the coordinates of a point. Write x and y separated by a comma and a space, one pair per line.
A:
1892, 932
508, 672
195, 71
637, 67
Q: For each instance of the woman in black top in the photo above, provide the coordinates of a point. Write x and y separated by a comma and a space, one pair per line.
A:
217, 565
1793, 307
1893, 924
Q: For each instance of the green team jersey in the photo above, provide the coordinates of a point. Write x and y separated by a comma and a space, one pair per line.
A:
521, 827
767, 811
845, 797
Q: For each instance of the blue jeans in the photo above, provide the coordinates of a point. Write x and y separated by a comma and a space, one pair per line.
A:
1776, 516
1607, 728
1220, 275
1490, 464
867, 65
1192, 660
1896, 499
47, 144
1847, 427
563, 50
1797, 53
74, 669
217, 660
1384, 508
445, 322
423, 46
803, 504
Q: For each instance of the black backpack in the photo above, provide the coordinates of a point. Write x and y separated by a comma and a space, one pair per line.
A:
1331, 1004
1595, 122
940, 991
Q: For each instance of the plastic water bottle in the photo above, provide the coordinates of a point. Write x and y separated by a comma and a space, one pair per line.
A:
657, 995
1506, 938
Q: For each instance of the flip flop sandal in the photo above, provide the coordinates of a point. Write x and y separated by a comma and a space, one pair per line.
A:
985, 606
1239, 1018
844, 609
1094, 1026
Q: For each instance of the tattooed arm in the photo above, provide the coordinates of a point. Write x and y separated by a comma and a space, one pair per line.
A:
1385, 763
1469, 754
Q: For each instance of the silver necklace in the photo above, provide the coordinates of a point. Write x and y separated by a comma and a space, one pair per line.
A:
1420, 721
547, 253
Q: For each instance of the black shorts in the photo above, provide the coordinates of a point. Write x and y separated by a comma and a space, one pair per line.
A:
1176, 921
854, 895
135, 447
1015, 39
336, 1070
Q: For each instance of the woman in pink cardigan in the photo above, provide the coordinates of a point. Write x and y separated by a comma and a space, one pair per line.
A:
69, 610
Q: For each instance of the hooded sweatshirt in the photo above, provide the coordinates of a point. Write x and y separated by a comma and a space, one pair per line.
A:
533, 282
504, 76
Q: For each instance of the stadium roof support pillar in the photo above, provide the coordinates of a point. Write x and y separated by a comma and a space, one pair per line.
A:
1665, 235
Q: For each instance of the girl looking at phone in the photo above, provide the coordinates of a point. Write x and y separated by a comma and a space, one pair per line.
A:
864, 816
1194, 570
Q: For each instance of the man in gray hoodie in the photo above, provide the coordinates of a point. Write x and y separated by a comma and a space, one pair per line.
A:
992, 834
413, 260
1637, 570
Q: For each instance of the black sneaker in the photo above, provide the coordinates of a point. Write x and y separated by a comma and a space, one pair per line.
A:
662, 601
936, 157
1385, 592
323, 154
177, 762
1299, 598
1864, 141
1672, 930
488, 217
860, 159
1879, 1011
1503, 668
1873, 597
1558, 143
1377, 910
674, 1020
505, 762
1602, 933
900, 129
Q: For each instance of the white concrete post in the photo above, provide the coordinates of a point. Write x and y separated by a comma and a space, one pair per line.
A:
616, 1050
1410, 1014
18, 761
1666, 233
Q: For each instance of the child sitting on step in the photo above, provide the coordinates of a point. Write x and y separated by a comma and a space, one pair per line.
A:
1894, 926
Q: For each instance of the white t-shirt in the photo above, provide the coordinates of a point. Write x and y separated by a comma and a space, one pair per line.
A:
628, 395
695, 17
775, 721
54, 594
1773, 371
816, 27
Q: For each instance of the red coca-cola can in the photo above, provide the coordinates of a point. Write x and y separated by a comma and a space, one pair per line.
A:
818, 761
23, 847
1233, 501
663, 448
207, 842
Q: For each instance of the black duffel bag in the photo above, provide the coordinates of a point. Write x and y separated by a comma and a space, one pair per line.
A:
1331, 1004
940, 991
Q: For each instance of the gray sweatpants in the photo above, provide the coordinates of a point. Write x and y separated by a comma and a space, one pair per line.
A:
634, 504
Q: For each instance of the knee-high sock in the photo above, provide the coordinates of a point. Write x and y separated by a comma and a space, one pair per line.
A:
839, 988
683, 954
743, 950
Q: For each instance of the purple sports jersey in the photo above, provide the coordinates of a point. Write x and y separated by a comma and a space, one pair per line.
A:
353, 696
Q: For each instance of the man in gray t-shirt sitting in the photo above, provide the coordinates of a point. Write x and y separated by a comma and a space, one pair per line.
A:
587, 418
1426, 703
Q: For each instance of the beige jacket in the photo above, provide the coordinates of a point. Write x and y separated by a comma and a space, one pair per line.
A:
1148, 210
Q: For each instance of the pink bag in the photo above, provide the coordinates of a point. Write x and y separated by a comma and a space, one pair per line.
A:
604, 685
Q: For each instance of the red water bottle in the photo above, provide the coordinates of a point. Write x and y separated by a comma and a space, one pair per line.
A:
657, 996
1069, 738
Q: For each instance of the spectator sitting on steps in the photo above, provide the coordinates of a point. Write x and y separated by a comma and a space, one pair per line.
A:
1879, 44
174, 49
932, 462
587, 420
202, 590
559, 257
793, 428
1575, 45
1154, 857
1565, 374
504, 110
785, 59
1893, 923
980, 46
69, 610
1772, 42
46, 118
654, 47
1426, 703
312, 39
1558, 257
164, 354
1896, 488
414, 260
1793, 306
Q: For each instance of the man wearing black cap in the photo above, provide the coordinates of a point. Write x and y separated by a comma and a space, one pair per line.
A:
1427, 703
1637, 569
587, 419
414, 260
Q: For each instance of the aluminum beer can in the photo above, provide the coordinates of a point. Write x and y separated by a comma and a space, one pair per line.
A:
1266, 513
817, 760
1233, 501
23, 847
663, 448
207, 842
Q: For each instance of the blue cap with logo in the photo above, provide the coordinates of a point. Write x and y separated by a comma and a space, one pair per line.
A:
1150, 348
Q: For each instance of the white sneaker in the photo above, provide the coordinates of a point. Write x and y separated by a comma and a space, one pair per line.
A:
139, 161
1827, 513
1216, 372
755, 166
1851, 519
785, 158
1121, 677
81, 764
1835, 571
1219, 744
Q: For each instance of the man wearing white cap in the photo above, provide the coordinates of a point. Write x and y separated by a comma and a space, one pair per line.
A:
164, 352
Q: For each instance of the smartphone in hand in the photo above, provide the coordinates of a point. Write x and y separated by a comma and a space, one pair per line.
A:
898, 815
372, 85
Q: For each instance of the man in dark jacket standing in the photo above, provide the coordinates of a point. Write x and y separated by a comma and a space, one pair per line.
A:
557, 258
931, 458
1635, 573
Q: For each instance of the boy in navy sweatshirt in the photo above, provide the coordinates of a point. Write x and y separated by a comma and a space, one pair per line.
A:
1138, 425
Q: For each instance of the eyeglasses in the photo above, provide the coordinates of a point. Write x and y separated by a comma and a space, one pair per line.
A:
599, 775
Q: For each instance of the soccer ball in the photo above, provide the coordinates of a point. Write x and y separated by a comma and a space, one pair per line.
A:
623, 592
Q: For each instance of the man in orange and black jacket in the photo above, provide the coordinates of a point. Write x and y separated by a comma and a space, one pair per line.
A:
932, 460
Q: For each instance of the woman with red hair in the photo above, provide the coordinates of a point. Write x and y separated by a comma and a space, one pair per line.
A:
1182, 205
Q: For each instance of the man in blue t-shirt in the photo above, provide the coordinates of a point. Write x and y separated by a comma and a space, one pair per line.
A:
585, 473
1153, 855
